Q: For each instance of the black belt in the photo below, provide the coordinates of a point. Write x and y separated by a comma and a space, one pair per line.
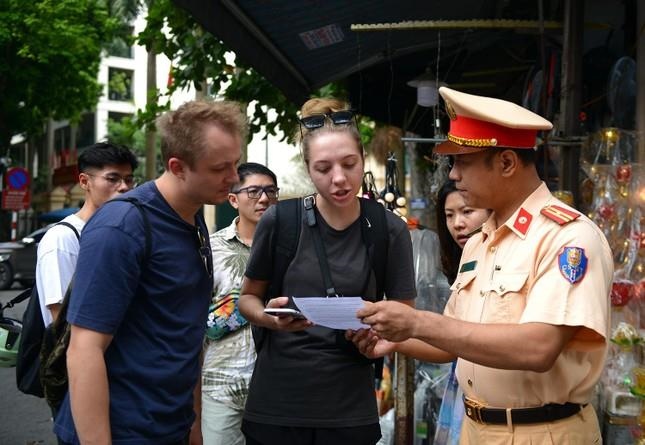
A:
540, 414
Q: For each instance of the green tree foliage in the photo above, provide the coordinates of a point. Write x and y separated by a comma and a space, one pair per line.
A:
49, 59
127, 132
197, 56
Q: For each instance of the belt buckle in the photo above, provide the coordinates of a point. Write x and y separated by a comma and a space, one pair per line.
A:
474, 409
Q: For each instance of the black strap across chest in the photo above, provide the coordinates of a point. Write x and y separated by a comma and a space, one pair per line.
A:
286, 236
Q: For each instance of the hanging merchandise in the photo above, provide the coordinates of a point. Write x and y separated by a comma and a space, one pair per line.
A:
616, 205
391, 197
368, 187
625, 337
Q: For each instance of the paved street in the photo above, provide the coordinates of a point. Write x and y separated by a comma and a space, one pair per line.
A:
25, 420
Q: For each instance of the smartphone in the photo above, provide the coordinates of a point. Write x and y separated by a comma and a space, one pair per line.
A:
284, 312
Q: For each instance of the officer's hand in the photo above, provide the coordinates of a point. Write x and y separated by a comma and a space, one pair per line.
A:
391, 320
286, 322
369, 344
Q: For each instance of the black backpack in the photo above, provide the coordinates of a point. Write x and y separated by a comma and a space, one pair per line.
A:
286, 235
33, 329
55, 339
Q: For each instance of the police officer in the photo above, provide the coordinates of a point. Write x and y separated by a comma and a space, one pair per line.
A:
528, 317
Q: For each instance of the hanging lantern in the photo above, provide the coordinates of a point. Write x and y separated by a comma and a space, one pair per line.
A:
427, 89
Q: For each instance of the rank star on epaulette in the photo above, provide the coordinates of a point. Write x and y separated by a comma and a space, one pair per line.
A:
559, 214
523, 221
572, 263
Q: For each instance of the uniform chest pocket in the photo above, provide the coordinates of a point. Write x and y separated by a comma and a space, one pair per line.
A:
505, 297
506, 283
463, 281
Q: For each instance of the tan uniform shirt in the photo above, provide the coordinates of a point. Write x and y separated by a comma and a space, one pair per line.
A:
531, 269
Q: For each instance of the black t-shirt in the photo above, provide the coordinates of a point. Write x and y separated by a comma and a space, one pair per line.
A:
316, 378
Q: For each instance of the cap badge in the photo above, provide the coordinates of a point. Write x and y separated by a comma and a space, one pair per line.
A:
573, 264
451, 111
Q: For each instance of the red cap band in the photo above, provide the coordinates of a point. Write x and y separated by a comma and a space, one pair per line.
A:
483, 133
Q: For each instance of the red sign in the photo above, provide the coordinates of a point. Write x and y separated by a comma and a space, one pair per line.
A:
16, 194
15, 199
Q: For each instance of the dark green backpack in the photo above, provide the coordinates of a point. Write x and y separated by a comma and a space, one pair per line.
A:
53, 351
31, 339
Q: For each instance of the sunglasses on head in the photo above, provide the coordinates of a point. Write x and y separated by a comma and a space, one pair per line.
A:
314, 121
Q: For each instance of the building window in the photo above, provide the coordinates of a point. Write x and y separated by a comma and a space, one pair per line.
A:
120, 84
117, 117
122, 46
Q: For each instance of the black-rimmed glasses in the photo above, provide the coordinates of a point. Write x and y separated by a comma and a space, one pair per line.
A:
314, 121
255, 191
205, 252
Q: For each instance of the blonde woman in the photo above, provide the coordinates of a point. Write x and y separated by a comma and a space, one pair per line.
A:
311, 385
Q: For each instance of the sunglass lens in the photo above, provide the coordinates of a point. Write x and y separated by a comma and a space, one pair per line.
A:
313, 121
342, 117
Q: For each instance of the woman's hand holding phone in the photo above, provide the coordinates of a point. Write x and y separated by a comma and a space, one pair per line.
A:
286, 319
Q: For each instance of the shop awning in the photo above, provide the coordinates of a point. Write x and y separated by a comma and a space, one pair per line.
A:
300, 46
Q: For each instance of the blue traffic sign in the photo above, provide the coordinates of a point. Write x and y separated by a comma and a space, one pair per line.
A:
17, 178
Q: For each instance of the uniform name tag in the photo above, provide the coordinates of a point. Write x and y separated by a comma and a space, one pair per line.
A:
466, 267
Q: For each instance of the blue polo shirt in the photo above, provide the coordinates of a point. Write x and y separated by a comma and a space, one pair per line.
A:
156, 310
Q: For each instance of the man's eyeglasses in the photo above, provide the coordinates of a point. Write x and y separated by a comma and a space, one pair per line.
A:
115, 180
255, 192
314, 121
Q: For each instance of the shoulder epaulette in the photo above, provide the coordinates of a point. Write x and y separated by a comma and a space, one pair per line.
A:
559, 214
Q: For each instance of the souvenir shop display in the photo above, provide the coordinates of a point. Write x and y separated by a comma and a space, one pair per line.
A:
615, 191
391, 197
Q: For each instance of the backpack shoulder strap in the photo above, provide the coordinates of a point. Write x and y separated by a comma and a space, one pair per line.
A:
66, 224
284, 243
375, 236
285, 239
62, 312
